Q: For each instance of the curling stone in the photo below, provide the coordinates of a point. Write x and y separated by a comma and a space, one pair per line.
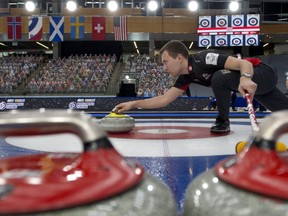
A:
253, 182
117, 123
97, 181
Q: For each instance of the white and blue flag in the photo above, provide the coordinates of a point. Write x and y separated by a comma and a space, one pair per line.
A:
56, 28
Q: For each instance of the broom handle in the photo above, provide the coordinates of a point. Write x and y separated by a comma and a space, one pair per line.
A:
251, 112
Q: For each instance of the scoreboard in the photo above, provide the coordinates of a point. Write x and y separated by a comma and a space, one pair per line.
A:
229, 30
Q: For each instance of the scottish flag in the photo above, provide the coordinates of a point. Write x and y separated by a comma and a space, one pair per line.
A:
56, 28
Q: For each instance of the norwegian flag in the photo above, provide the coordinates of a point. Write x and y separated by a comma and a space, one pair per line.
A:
120, 28
14, 29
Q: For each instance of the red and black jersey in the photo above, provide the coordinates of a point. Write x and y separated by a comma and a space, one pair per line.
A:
201, 67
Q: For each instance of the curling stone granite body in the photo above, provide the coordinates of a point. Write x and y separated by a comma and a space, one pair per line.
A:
117, 123
138, 201
209, 196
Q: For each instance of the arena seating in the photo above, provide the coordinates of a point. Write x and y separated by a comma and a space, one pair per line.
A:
14, 70
75, 74
151, 79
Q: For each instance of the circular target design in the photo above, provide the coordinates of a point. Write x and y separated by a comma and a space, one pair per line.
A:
167, 132
236, 41
237, 22
204, 42
251, 41
253, 21
3, 105
221, 22
204, 23
72, 105
221, 42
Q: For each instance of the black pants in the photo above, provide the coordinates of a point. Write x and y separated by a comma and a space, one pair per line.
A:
225, 81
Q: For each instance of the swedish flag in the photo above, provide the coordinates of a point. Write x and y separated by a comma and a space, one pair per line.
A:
77, 27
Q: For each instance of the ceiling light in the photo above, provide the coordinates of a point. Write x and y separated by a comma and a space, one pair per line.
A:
152, 5
46, 47
2, 44
71, 5
234, 6
135, 44
193, 5
112, 5
191, 45
30, 6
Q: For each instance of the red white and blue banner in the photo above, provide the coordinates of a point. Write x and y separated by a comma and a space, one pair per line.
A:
56, 28
237, 21
35, 28
236, 28
14, 29
120, 28
221, 21
252, 40
236, 40
204, 22
253, 20
221, 40
229, 24
205, 41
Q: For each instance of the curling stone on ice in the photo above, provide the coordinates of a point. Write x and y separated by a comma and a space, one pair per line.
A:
97, 181
252, 182
117, 123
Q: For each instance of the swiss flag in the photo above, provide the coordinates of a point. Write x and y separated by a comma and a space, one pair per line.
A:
98, 28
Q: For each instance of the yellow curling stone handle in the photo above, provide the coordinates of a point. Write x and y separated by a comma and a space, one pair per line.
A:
280, 147
116, 115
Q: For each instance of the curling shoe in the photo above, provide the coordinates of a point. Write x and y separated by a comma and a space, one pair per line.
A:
220, 126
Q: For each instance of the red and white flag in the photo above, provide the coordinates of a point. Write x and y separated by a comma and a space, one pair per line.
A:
120, 28
98, 28
14, 29
35, 28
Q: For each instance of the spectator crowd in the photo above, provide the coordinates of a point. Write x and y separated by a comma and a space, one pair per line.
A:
151, 79
75, 74
15, 69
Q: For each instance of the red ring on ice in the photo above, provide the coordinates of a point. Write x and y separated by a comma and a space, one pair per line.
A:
167, 132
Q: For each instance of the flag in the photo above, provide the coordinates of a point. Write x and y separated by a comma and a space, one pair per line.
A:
98, 28
14, 29
120, 28
252, 40
253, 20
204, 24
221, 21
77, 27
35, 28
237, 20
221, 40
204, 41
236, 40
56, 28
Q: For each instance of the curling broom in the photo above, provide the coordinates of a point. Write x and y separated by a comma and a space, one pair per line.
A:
280, 147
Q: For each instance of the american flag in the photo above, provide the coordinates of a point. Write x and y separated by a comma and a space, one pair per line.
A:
120, 28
